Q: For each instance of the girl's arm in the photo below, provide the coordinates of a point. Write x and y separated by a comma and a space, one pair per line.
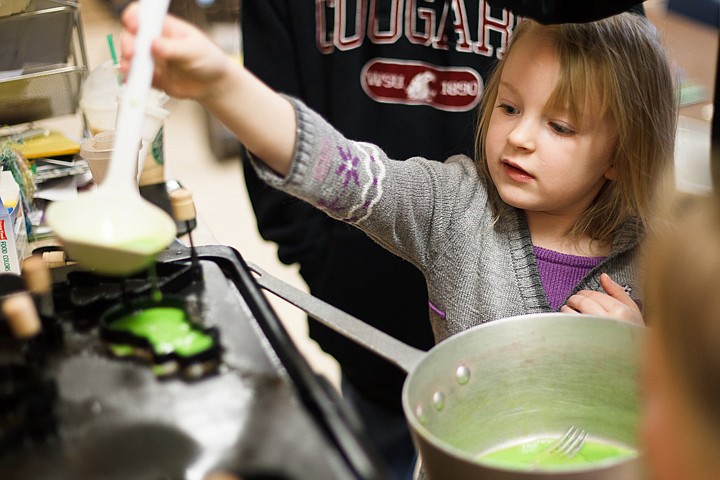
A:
189, 65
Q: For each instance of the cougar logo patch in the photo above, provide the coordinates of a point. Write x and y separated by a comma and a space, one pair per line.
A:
455, 89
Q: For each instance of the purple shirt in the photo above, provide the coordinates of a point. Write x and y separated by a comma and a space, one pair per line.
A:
560, 273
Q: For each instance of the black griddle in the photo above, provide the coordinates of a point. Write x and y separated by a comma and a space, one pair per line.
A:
70, 411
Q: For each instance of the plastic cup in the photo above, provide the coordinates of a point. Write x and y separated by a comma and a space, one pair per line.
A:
100, 118
98, 98
99, 102
152, 161
97, 152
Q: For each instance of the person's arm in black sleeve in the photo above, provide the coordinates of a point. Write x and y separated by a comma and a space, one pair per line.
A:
299, 230
566, 11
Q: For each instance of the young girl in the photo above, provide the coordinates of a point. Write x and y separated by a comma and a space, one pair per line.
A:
681, 424
576, 126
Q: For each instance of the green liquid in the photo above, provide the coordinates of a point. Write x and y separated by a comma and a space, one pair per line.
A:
156, 294
142, 245
167, 330
535, 454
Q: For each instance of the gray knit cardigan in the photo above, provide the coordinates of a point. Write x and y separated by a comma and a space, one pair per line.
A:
437, 216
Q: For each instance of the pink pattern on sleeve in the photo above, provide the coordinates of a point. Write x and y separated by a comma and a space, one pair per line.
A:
321, 167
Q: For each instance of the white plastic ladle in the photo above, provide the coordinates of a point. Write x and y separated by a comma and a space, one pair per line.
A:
113, 230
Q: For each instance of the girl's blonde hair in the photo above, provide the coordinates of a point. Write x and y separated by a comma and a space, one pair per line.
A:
621, 65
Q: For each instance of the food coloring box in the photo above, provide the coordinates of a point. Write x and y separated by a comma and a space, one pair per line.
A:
13, 235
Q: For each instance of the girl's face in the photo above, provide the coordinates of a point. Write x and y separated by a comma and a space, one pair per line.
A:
541, 159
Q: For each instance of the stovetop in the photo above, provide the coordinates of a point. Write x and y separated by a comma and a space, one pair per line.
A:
70, 408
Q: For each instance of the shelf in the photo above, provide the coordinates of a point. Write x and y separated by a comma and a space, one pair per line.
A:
40, 95
42, 62
37, 37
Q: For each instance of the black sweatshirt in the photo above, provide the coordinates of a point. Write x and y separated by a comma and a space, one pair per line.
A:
406, 76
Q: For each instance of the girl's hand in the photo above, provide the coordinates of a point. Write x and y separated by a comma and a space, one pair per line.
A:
615, 303
187, 63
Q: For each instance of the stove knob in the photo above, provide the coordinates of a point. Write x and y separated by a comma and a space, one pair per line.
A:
21, 315
182, 205
55, 259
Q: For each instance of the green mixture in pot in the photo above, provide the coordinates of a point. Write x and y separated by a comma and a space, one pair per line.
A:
536, 454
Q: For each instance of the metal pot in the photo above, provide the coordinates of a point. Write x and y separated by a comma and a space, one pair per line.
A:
519, 377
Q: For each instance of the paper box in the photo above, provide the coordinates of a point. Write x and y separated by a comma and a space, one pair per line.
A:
13, 235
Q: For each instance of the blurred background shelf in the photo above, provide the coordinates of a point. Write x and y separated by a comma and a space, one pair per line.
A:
43, 62
37, 95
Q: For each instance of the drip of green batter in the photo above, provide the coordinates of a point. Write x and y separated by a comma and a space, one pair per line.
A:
156, 294
535, 454
167, 329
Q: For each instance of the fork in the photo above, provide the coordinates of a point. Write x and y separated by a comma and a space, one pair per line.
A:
570, 443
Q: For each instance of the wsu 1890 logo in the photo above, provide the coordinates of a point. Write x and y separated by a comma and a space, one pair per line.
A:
455, 89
